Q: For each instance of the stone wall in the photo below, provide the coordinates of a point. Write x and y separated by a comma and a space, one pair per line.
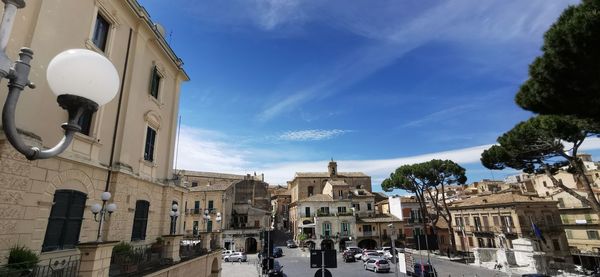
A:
204, 266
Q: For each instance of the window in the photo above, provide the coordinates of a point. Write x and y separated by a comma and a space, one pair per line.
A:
341, 210
356, 206
486, 223
326, 229
592, 234
340, 193
345, 227
467, 221
195, 228
310, 191
549, 220
545, 184
209, 226
369, 206
196, 207
324, 210
194, 184
556, 244
210, 205
65, 219
85, 122
101, 29
471, 241
154, 82
307, 211
495, 220
149, 148
140, 220
477, 222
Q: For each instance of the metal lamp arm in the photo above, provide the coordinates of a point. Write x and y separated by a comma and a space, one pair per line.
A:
75, 106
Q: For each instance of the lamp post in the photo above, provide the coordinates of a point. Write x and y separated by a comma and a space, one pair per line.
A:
81, 79
174, 214
394, 255
100, 212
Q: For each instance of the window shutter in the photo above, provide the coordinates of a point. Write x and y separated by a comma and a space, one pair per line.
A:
64, 223
153, 84
140, 220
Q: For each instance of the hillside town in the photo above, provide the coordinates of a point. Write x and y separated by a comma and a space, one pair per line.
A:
91, 182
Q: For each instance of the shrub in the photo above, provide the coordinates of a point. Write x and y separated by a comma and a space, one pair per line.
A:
22, 258
123, 248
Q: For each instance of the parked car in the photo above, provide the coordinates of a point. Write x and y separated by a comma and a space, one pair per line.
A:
370, 255
236, 257
354, 249
277, 252
277, 269
348, 256
226, 253
291, 244
424, 270
377, 265
534, 275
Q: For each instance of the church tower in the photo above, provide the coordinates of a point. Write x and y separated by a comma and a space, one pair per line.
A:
332, 168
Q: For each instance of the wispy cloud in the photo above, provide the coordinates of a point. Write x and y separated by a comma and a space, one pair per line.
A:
391, 36
212, 151
308, 135
432, 117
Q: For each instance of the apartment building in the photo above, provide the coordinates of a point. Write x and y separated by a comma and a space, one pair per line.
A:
125, 148
280, 203
491, 226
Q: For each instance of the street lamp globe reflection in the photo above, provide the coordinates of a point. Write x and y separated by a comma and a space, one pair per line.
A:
100, 212
83, 73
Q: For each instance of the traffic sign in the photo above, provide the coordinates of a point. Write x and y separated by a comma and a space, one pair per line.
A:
323, 258
319, 273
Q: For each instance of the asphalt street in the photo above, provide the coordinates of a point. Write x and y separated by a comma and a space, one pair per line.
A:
296, 264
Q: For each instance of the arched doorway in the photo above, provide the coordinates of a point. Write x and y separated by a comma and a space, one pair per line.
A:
250, 245
342, 244
327, 244
214, 268
310, 244
367, 244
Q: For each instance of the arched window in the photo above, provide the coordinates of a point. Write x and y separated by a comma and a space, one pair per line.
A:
65, 219
140, 220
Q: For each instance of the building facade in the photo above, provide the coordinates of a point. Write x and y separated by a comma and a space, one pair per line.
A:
496, 227
125, 148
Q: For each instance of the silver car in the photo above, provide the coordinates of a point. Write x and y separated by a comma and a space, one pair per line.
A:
377, 265
236, 257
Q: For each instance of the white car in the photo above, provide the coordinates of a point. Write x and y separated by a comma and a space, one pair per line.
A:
236, 257
226, 253
371, 255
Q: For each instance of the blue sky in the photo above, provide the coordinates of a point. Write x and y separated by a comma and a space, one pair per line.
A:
279, 86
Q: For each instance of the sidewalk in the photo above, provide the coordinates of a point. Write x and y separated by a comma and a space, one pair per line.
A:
240, 269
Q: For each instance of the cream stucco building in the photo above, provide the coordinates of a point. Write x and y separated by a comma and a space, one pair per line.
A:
126, 147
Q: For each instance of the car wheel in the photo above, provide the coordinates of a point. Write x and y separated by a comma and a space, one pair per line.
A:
226, 260
375, 270
239, 260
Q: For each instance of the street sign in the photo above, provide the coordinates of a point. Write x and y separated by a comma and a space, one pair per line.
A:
323, 258
319, 273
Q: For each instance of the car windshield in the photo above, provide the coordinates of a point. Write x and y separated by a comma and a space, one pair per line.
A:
383, 262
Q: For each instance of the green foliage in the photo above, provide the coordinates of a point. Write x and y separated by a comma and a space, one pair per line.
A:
566, 78
123, 248
302, 237
538, 144
418, 177
21, 257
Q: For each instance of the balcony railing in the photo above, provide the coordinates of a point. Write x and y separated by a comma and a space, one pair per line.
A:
369, 233
415, 220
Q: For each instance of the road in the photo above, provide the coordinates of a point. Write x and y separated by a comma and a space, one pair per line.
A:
296, 264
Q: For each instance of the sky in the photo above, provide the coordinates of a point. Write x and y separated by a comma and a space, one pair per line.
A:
284, 86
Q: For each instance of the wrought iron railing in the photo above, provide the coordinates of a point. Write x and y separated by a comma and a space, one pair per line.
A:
139, 259
57, 267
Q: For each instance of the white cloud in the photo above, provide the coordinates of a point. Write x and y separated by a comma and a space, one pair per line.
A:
307, 135
205, 150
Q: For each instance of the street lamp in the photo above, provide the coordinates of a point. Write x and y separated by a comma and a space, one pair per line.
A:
219, 219
100, 212
81, 79
174, 214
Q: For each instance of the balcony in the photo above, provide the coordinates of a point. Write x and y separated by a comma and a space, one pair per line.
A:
369, 234
483, 230
415, 220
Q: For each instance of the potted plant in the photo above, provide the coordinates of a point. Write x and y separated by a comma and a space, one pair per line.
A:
157, 246
123, 255
21, 261
302, 237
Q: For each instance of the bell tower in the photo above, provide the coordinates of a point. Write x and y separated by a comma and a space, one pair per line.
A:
332, 168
